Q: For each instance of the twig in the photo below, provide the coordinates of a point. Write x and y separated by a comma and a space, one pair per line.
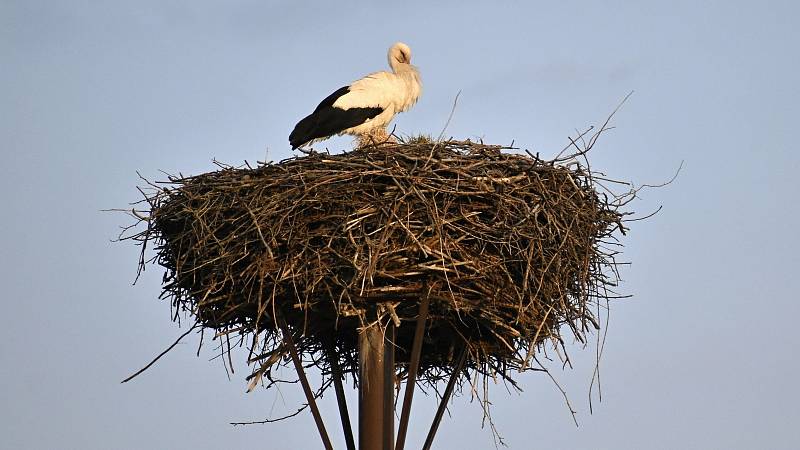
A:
260, 422
161, 354
450, 116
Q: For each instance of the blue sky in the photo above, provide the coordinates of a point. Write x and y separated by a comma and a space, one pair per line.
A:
702, 357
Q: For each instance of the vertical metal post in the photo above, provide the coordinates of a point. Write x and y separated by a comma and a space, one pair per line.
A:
388, 387
411, 381
437, 419
336, 374
371, 388
301, 374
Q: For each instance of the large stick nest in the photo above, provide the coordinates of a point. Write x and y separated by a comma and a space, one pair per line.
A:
509, 248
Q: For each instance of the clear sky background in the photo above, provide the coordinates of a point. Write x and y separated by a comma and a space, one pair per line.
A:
705, 356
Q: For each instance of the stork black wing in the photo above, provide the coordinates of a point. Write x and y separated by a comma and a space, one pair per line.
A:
327, 120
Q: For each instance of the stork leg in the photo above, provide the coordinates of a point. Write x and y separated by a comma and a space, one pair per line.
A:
374, 138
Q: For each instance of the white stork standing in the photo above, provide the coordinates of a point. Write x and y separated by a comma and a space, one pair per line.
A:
366, 106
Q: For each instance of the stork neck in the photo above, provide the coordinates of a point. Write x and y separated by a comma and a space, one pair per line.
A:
398, 67
403, 69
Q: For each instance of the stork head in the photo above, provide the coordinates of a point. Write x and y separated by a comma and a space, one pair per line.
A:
399, 54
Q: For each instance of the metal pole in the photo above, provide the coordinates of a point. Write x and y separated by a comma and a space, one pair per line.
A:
388, 388
411, 381
301, 374
370, 388
445, 398
336, 373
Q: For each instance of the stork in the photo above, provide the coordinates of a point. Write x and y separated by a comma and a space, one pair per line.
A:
366, 106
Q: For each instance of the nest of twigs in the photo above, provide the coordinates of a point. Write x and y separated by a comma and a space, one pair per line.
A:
509, 249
